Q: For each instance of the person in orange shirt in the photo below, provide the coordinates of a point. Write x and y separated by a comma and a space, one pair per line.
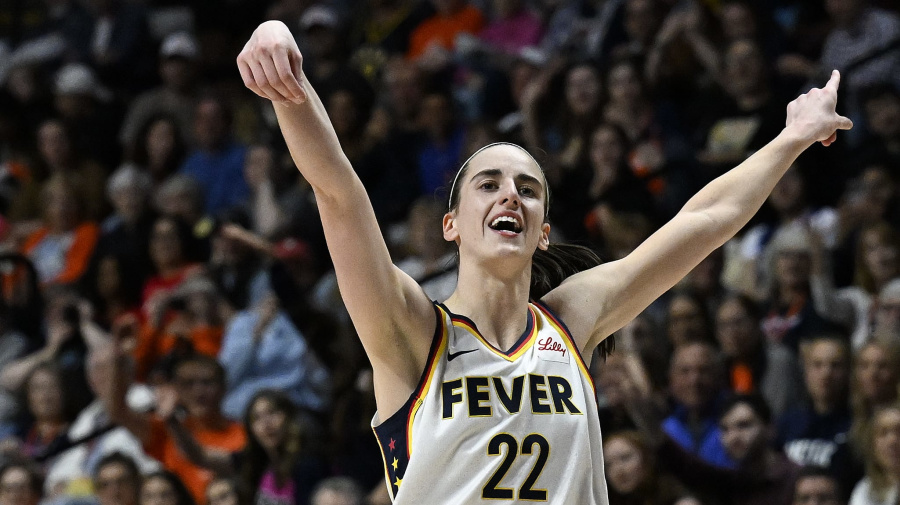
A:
187, 320
452, 18
193, 399
62, 247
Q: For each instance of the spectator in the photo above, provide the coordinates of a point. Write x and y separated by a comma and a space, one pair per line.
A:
632, 473
266, 214
513, 27
378, 34
126, 233
171, 251
276, 464
753, 364
13, 346
431, 260
20, 484
225, 491
50, 410
62, 247
881, 104
198, 384
117, 480
687, 320
262, 349
816, 433
120, 43
179, 55
695, 387
181, 197
441, 150
877, 263
217, 161
435, 36
337, 491
887, 311
235, 268
164, 488
159, 148
876, 372
882, 461
816, 486
100, 441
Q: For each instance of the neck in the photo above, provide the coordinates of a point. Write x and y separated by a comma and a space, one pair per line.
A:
823, 405
499, 310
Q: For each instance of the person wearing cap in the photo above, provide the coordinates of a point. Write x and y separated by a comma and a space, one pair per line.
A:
87, 107
176, 97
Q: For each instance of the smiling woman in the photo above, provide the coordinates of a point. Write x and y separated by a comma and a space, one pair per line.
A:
511, 358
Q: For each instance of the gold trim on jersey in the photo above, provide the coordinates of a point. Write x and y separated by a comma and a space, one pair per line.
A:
570, 342
426, 384
523, 347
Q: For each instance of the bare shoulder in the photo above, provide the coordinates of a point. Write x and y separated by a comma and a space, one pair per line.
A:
581, 301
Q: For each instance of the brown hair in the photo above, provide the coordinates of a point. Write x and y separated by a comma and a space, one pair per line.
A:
862, 277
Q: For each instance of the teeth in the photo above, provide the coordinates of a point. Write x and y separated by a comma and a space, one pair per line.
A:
505, 218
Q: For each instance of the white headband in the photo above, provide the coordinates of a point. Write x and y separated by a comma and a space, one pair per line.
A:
464, 165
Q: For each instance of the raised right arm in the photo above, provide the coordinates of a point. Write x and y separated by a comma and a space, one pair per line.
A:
391, 313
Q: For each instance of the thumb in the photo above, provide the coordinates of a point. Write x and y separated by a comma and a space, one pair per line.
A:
844, 123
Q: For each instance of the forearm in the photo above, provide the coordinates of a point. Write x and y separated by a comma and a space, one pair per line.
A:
314, 146
15, 374
732, 199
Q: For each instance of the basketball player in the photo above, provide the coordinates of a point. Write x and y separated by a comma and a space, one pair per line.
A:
487, 396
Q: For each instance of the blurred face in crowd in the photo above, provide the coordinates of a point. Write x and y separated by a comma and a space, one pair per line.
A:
130, 201
583, 90
343, 113
165, 245
607, 150
437, 115
887, 315
211, 125
883, 116
268, 423
258, 165
16, 487
693, 375
744, 68
116, 485
788, 195
403, 86
878, 187
844, 12
880, 256
886, 441
876, 374
641, 20
816, 490
160, 142
611, 378
736, 330
737, 21
744, 435
177, 72
54, 145
792, 269
625, 87
158, 491
45, 398
625, 465
199, 389
685, 321
61, 208
221, 492
826, 371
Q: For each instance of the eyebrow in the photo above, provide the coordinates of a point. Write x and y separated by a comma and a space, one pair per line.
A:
494, 172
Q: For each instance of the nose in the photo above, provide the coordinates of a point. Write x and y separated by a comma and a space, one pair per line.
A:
509, 195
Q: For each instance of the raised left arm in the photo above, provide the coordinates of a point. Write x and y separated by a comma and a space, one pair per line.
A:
597, 302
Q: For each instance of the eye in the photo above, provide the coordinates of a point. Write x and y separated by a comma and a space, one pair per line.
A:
489, 185
527, 191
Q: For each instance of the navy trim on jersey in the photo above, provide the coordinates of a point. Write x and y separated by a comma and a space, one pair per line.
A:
529, 325
392, 432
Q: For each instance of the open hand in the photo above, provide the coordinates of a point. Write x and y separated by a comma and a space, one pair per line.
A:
271, 64
812, 115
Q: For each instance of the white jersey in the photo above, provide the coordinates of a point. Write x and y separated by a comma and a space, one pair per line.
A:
487, 425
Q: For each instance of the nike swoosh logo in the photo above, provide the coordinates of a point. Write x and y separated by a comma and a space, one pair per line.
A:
453, 355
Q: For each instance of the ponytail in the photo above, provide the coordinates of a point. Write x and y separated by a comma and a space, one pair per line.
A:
551, 267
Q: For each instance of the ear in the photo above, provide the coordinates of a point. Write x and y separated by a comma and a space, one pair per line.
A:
451, 234
544, 242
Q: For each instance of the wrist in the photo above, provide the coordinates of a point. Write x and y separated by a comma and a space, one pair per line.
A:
794, 137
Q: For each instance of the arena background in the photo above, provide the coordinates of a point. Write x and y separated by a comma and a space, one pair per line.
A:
166, 288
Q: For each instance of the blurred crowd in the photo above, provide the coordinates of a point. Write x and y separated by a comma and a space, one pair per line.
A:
171, 331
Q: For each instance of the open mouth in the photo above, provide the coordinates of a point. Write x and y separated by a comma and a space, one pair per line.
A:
506, 225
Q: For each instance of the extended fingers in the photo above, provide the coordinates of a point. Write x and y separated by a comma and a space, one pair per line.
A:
833, 82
